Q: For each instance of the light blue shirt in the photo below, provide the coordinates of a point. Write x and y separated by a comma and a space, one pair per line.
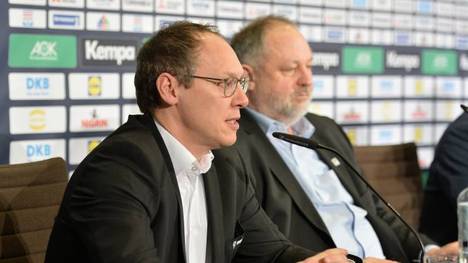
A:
345, 221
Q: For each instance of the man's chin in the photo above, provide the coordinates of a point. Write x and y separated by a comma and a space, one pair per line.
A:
293, 116
226, 143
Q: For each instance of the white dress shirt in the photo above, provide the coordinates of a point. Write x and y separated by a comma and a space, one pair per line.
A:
189, 172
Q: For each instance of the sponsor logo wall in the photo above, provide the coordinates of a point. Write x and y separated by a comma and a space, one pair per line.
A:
389, 71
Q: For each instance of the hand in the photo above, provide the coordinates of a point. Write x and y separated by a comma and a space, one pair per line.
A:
448, 249
334, 255
377, 260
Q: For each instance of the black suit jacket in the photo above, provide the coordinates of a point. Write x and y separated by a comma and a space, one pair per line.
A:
448, 176
289, 207
123, 205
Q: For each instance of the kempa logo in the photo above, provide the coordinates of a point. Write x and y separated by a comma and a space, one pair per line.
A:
326, 60
44, 50
464, 62
406, 61
109, 52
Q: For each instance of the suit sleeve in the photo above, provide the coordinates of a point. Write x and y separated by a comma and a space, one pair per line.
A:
111, 205
408, 241
450, 164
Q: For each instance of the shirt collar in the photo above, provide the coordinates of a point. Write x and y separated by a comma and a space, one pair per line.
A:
182, 159
302, 127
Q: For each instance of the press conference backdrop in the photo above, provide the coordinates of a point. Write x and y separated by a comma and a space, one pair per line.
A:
389, 71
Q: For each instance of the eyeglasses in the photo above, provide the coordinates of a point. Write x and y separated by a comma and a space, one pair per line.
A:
229, 84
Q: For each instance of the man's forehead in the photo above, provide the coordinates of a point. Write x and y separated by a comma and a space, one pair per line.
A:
216, 54
281, 42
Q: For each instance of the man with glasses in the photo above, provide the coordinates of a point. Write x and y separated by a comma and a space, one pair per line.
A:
151, 191
315, 200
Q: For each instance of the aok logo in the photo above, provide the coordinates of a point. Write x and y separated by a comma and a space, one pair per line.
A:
94, 86
363, 60
41, 51
44, 50
37, 119
38, 150
440, 62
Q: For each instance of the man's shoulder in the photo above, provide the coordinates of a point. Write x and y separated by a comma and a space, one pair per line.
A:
133, 131
316, 119
131, 141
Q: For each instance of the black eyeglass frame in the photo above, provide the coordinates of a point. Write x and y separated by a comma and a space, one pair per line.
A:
242, 82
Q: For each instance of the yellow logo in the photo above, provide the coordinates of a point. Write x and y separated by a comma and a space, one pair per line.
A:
418, 134
92, 144
419, 87
352, 87
352, 135
94, 86
387, 111
447, 108
37, 119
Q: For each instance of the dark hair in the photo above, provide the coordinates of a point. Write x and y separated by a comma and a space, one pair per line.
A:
173, 50
248, 42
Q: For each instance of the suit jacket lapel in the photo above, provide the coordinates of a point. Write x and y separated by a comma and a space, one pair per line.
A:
148, 121
215, 238
281, 171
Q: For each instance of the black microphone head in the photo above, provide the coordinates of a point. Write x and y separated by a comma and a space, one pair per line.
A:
279, 135
304, 142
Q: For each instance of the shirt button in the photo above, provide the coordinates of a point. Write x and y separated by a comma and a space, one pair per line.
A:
194, 168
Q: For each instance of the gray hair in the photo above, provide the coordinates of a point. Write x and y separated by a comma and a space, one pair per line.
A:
248, 42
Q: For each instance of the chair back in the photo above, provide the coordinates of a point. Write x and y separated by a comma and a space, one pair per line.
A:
393, 170
30, 195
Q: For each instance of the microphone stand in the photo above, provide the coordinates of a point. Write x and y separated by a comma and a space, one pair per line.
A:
311, 144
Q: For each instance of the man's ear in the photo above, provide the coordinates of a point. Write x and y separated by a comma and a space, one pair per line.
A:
251, 74
167, 86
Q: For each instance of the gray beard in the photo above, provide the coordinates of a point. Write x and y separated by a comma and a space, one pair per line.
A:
291, 113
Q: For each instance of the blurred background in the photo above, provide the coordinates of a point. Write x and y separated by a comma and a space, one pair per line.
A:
388, 71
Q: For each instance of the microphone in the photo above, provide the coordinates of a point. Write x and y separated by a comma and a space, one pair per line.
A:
465, 108
311, 144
